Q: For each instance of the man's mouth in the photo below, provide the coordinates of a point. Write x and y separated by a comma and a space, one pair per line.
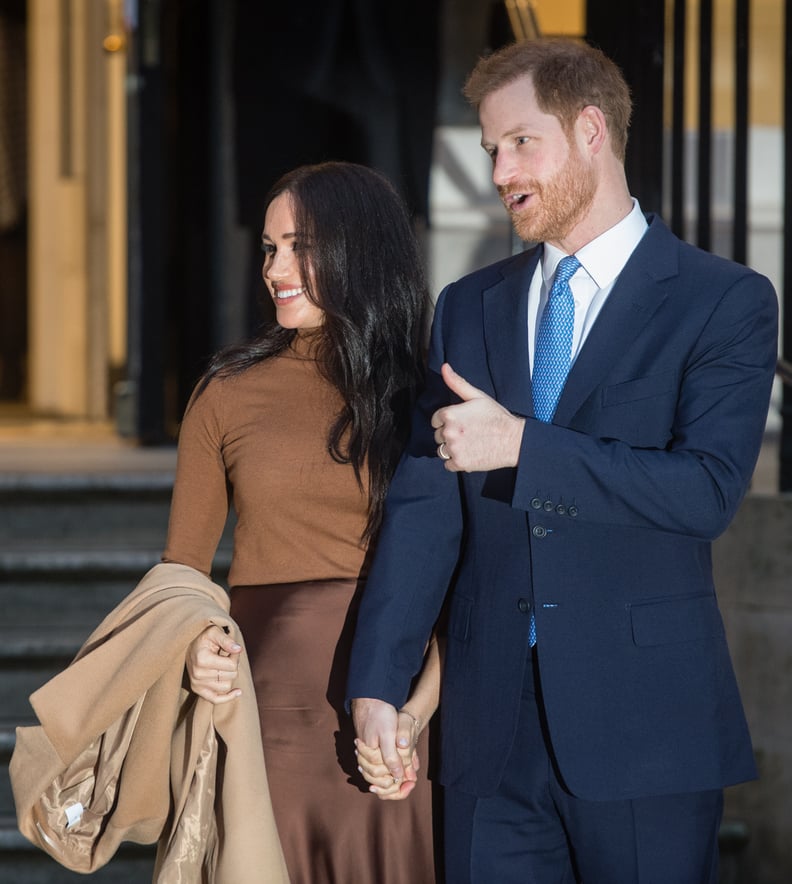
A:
514, 201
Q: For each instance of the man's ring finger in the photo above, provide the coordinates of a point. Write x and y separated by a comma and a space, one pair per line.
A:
441, 450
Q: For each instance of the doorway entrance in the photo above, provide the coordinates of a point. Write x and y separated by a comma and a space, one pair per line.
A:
63, 256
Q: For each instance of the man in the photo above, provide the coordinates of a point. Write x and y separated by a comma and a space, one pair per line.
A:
590, 715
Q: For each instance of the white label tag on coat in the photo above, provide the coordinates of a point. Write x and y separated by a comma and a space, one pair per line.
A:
74, 814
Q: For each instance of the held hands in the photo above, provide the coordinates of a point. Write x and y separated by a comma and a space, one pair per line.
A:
386, 742
478, 434
376, 772
212, 664
376, 725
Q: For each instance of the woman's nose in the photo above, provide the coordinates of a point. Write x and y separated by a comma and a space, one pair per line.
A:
277, 265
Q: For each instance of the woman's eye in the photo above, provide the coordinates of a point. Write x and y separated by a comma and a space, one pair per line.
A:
268, 249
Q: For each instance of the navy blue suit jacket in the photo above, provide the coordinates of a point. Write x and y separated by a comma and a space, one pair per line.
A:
605, 527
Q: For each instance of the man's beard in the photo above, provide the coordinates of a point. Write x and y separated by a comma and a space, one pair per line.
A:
560, 203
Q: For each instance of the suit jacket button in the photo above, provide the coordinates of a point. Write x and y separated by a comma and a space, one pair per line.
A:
524, 605
573, 511
561, 509
536, 503
539, 531
548, 506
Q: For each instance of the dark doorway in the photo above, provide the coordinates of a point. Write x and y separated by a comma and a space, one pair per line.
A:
13, 201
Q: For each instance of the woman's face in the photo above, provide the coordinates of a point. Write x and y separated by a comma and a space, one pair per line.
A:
281, 270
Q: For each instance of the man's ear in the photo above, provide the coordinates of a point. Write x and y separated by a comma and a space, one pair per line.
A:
592, 128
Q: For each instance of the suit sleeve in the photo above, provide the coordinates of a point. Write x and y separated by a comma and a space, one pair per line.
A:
692, 485
416, 554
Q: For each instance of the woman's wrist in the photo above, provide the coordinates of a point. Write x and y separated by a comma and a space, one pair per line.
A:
415, 719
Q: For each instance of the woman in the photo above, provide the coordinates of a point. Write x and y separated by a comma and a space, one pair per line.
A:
301, 430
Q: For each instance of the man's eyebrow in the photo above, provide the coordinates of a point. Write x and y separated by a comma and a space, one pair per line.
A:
508, 134
516, 130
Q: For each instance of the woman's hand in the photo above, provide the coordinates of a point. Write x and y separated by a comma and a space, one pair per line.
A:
376, 773
212, 665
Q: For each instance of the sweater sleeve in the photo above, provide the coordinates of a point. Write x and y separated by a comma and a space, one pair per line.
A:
200, 503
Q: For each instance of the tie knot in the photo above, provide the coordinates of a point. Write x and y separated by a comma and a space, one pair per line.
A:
565, 270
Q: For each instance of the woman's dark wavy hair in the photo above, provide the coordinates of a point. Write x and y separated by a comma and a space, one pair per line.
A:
358, 247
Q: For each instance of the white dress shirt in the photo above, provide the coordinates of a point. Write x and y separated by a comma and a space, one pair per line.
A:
601, 262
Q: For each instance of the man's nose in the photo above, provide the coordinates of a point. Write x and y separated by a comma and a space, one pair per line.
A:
503, 169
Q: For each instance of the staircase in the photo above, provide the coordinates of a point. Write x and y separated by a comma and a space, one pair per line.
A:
72, 545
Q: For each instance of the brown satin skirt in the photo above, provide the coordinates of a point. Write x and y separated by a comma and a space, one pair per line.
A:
298, 638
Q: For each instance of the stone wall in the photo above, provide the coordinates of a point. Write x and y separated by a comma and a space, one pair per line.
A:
753, 573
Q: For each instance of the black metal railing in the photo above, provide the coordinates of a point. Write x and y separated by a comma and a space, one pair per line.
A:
636, 35
785, 445
704, 165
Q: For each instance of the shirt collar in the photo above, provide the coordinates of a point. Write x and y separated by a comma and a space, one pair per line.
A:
605, 256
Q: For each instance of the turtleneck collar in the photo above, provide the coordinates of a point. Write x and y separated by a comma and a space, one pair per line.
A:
305, 344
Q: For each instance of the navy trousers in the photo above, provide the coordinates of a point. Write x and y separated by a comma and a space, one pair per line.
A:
533, 831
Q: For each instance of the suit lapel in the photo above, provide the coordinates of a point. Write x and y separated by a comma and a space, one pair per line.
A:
637, 294
505, 307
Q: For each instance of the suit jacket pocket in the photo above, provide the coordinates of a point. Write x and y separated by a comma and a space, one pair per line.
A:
648, 387
459, 618
673, 620
639, 412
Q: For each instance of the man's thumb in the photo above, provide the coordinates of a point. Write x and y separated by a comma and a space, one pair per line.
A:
457, 384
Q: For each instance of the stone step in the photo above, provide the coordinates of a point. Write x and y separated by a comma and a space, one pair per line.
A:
52, 559
43, 586
65, 508
72, 546
30, 659
7, 737
40, 645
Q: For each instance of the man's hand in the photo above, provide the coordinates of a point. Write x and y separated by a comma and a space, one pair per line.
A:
478, 434
375, 724
376, 773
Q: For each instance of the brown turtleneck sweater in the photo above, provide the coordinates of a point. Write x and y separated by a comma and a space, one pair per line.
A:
262, 437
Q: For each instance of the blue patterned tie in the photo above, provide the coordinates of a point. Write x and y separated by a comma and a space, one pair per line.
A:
553, 355
554, 342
